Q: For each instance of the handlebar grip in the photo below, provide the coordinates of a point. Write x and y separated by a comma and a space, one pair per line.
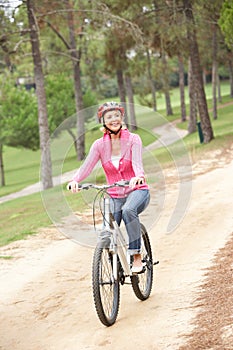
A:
79, 187
69, 187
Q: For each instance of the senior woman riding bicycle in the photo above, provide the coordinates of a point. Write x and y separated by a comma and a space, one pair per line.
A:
120, 153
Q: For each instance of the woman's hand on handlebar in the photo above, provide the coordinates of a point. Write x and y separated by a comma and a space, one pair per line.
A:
134, 181
73, 186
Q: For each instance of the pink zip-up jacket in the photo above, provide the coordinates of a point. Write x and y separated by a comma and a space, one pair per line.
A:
130, 164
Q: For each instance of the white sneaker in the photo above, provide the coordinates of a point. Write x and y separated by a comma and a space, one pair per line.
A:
138, 269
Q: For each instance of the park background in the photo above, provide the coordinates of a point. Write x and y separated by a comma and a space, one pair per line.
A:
59, 58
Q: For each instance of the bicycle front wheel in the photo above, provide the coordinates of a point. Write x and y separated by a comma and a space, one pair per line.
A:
106, 290
142, 283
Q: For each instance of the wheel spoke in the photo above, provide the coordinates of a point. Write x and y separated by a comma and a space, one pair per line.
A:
106, 289
142, 282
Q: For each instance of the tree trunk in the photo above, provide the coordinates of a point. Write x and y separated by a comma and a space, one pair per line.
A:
214, 71
166, 86
76, 58
153, 90
231, 77
46, 164
181, 85
70, 132
2, 166
129, 89
219, 89
204, 76
121, 91
192, 126
197, 74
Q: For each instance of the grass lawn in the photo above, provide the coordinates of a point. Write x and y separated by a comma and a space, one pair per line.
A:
22, 217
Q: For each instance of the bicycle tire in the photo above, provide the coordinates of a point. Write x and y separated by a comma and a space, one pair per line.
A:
142, 283
106, 290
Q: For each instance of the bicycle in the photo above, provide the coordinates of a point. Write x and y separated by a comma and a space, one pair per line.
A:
111, 263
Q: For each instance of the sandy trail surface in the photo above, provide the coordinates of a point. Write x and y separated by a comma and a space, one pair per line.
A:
45, 290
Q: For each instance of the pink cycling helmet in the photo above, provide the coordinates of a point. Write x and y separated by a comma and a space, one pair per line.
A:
109, 106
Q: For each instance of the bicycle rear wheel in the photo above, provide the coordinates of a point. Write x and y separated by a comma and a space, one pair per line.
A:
142, 283
106, 290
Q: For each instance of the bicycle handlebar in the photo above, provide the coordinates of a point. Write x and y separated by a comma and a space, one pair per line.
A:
87, 186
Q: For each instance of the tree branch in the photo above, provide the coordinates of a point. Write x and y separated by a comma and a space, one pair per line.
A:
17, 45
136, 31
58, 34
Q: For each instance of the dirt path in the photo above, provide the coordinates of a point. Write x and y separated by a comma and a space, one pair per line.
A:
45, 290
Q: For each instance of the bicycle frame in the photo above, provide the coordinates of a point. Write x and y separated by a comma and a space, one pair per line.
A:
119, 246
111, 260
118, 243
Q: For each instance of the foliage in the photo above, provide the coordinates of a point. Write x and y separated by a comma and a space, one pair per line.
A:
18, 117
18, 111
107, 87
110, 34
226, 22
89, 99
60, 99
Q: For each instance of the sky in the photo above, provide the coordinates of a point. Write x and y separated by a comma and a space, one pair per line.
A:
9, 6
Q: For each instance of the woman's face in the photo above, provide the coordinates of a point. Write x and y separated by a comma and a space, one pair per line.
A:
113, 120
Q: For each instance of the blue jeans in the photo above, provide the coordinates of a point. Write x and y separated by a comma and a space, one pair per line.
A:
128, 209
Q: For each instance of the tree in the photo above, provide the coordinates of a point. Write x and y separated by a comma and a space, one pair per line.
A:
197, 73
18, 120
76, 59
181, 85
46, 165
61, 103
226, 22
214, 70
165, 82
5, 47
230, 62
75, 25
10, 40
151, 80
210, 13
121, 89
192, 102
129, 91
168, 41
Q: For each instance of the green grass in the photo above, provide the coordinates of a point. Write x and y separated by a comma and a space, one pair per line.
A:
223, 135
6, 257
175, 96
21, 169
23, 216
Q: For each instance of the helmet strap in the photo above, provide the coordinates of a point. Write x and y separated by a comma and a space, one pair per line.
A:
111, 131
